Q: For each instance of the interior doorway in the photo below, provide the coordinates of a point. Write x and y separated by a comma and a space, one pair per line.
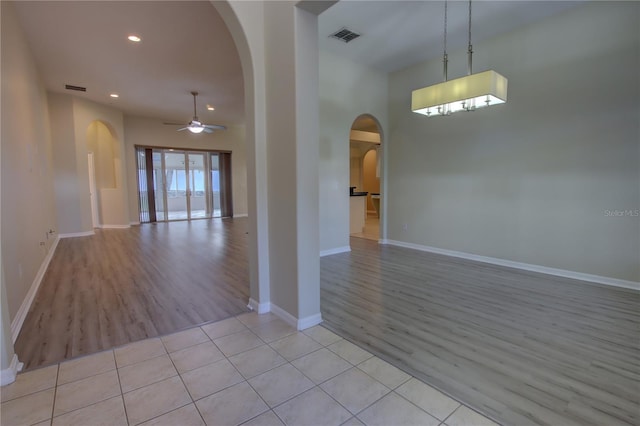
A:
183, 184
365, 151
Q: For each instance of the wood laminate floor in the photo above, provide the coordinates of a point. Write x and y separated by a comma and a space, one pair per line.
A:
125, 285
521, 347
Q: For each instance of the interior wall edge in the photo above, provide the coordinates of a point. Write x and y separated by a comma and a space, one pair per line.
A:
77, 234
8, 375
337, 250
260, 308
21, 314
298, 323
610, 281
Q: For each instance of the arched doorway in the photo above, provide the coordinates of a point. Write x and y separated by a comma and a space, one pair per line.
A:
365, 174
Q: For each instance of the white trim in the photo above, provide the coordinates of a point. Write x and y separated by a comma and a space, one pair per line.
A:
115, 226
21, 315
309, 321
633, 285
336, 250
8, 375
240, 215
284, 315
299, 324
260, 308
77, 234
134, 223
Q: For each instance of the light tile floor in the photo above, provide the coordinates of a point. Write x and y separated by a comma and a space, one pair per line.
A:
251, 369
371, 230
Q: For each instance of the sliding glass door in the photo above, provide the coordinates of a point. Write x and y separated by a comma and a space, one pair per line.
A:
183, 184
199, 193
175, 173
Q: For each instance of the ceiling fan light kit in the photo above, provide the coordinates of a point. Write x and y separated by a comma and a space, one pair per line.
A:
195, 126
467, 93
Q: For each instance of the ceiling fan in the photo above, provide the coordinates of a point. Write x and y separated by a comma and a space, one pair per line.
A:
195, 125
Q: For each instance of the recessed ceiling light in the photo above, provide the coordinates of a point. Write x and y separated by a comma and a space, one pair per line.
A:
134, 38
210, 108
114, 95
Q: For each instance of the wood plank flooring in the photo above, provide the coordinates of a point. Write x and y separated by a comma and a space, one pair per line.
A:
521, 347
124, 285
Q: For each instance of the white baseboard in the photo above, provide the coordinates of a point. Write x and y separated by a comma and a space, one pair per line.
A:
18, 320
519, 265
241, 215
284, 315
115, 226
299, 324
134, 223
260, 308
309, 321
8, 375
77, 234
336, 250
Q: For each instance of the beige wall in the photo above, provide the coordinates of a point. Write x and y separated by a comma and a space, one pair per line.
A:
72, 120
290, 71
530, 181
105, 151
151, 132
278, 49
358, 90
28, 207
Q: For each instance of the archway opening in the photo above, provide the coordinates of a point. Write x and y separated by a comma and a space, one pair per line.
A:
365, 161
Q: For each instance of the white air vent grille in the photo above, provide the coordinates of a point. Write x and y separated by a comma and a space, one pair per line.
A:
345, 35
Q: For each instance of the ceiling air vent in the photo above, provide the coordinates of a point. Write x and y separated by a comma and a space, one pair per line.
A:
76, 88
345, 35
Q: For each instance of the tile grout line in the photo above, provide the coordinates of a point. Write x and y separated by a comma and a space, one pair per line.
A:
55, 393
246, 379
315, 385
182, 380
126, 414
460, 404
391, 390
250, 385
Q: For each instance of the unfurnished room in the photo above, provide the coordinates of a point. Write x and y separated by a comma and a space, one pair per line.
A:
320, 213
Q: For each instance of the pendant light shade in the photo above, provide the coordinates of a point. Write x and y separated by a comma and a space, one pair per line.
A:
466, 93
462, 94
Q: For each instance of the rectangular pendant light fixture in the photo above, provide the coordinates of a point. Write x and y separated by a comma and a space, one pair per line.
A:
462, 94
466, 93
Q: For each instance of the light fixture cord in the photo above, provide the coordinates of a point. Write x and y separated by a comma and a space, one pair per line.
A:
470, 51
445, 59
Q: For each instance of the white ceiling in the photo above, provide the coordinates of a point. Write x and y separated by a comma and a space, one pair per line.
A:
397, 34
186, 46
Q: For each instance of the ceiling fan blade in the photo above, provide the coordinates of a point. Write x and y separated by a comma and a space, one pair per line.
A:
184, 128
207, 130
215, 127
173, 124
